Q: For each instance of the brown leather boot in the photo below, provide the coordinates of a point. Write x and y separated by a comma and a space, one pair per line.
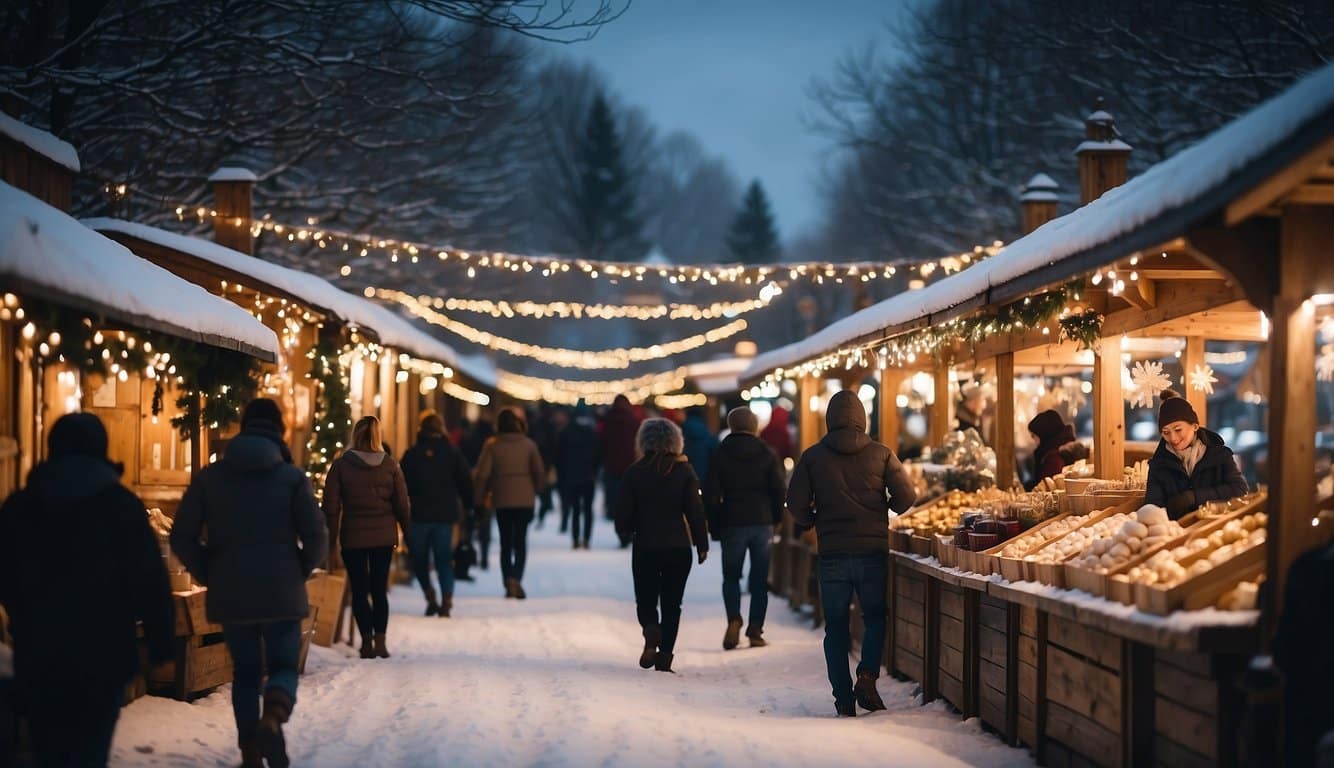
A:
269, 735
733, 635
446, 604
250, 757
652, 636
367, 647
432, 607
866, 694
511, 587
756, 637
663, 663
380, 651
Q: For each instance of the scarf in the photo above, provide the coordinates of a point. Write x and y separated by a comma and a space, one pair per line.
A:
1190, 455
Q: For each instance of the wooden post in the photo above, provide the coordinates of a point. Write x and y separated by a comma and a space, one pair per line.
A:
1103, 157
1109, 419
233, 190
1003, 439
711, 415
1190, 358
890, 381
1306, 232
939, 419
808, 421
1038, 201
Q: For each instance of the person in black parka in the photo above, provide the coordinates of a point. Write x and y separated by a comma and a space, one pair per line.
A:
578, 457
73, 618
265, 535
743, 496
658, 508
845, 487
440, 487
1191, 465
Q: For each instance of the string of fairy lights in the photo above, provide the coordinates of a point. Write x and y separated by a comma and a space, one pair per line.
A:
579, 310
565, 392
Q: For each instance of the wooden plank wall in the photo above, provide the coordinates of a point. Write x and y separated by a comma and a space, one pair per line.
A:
953, 678
1083, 695
1196, 710
909, 658
994, 665
23, 168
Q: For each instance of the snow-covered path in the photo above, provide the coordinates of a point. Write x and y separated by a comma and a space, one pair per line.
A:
553, 681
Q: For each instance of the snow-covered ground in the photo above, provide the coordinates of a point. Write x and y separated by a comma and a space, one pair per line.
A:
553, 681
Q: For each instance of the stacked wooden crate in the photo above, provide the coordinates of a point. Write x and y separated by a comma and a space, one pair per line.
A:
994, 665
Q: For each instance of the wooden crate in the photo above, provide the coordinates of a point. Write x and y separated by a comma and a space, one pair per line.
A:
200, 664
1012, 568
326, 593
1054, 573
910, 620
191, 613
945, 551
952, 645
995, 691
1197, 708
1083, 693
1090, 502
1027, 677
1204, 590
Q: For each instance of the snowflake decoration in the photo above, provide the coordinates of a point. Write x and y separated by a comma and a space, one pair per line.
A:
1327, 329
1324, 364
1202, 379
1148, 380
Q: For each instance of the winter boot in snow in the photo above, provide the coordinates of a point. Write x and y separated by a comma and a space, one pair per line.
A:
511, 587
269, 734
756, 637
865, 692
446, 604
380, 651
432, 606
663, 663
367, 647
845, 710
250, 757
518, 590
733, 634
652, 636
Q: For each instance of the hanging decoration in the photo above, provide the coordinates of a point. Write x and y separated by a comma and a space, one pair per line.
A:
579, 310
1149, 381
333, 408
620, 357
1202, 379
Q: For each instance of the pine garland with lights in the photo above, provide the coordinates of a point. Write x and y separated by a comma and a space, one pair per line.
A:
333, 412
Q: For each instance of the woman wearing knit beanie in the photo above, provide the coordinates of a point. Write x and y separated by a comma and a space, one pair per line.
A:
1192, 465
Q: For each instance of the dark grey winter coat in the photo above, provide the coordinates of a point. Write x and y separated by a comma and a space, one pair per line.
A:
265, 533
1216, 477
744, 485
438, 479
845, 485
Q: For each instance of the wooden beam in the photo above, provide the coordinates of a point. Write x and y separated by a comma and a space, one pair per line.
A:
891, 379
1109, 421
808, 421
1179, 299
1140, 294
1066, 353
939, 419
1004, 425
1277, 186
1311, 194
1220, 325
1245, 253
1307, 232
1193, 356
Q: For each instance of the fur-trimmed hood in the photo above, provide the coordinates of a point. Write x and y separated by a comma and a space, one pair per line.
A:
659, 436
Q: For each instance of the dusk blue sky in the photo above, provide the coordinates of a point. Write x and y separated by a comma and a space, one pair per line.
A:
736, 75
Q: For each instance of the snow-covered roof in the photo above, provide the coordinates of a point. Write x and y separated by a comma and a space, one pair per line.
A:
1150, 209
1040, 189
320, 294
50, 254
231, 173
717, 377
41, 142
1100, 116
1115, 145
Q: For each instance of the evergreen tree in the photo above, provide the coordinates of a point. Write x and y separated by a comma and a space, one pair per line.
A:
608, 222
753, 238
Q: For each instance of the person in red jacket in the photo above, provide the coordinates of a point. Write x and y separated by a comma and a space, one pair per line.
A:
776, 434
1055, 442
619, 428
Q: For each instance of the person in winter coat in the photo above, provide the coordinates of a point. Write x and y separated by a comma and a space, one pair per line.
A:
72, 660
265, 535
658, 507
1302, 649
619, 428
510, 472
844, 486
578, 455
777, 434
439, 484
1191, 464
743, 496
1055, 441
542, 431
700, 441
366, 503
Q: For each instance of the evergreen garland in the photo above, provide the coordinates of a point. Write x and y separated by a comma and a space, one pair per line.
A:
333, 413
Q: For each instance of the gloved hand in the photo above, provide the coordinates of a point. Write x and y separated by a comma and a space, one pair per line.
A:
703, 555
1180, 504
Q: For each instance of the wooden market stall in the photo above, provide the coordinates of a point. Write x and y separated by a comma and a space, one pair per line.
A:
1224, 241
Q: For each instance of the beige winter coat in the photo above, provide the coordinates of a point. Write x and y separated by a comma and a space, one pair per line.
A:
509, 472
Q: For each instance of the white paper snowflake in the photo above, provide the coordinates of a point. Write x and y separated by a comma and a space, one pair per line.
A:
1324, 364
1202, 379
1148, 380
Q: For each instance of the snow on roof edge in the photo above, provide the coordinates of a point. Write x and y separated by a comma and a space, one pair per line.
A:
234, 173
46, 144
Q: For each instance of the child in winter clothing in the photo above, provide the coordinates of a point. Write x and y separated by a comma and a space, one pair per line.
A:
658, 508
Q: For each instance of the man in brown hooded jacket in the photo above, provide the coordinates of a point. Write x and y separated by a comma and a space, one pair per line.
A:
844, 487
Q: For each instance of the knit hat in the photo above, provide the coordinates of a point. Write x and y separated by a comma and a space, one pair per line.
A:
659, 436
1175, 408
431, 423
743, 419
77, 434
1046, 424
262, 409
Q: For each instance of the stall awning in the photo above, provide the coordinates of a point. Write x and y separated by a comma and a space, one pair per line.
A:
1189, 189
48, 254
309, 289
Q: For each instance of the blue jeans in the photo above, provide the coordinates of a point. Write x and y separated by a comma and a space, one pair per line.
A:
275, 644
737, 541
432, 540
840, 577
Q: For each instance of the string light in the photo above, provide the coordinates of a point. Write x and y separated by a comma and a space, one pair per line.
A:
563, 392
579, 310
573, 358
680, 402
